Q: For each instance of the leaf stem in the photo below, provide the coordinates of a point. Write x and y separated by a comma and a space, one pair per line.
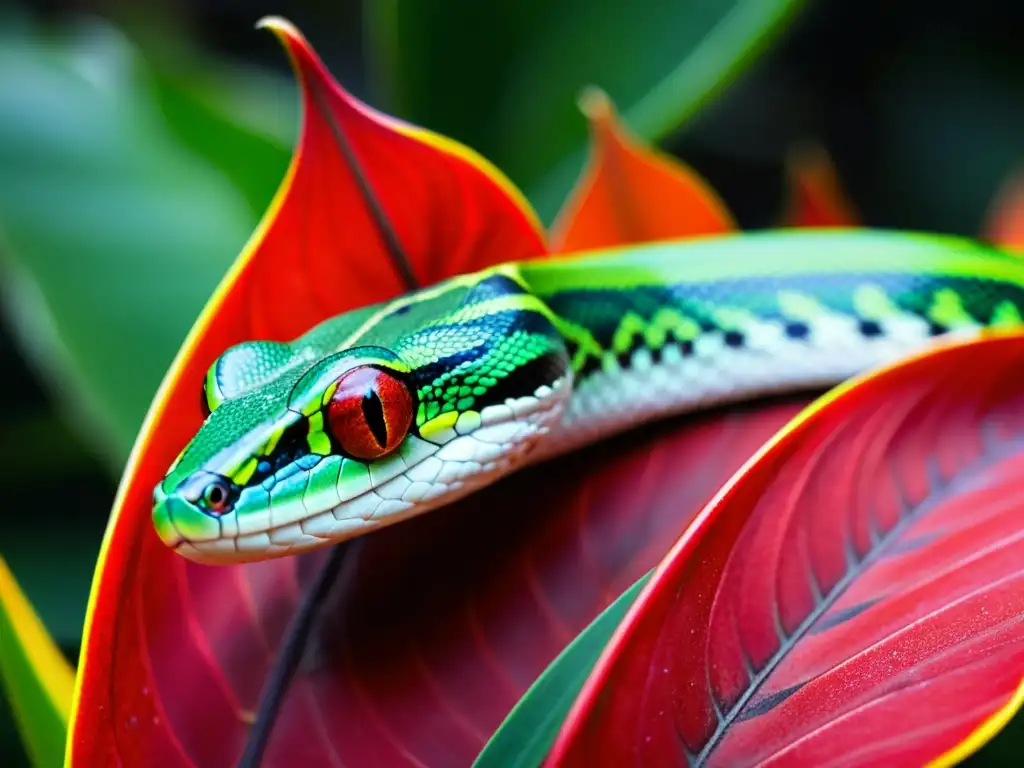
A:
396, 253
292, 649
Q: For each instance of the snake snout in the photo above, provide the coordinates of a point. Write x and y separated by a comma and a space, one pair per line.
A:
192, 511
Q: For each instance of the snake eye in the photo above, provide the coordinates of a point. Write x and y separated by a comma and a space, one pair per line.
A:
216, 496
369, 413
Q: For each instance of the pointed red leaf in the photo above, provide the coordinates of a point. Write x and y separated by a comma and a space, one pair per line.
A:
854, 597
1004, 224
154, 688
633, 193
815, 195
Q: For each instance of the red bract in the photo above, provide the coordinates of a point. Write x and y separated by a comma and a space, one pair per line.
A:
1004, 224
153, 688
854, 597
633, 193
815, 198
452, 616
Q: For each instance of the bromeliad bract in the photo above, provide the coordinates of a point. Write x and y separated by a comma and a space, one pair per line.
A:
422, 670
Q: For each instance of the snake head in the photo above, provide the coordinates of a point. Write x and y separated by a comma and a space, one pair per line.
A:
306, 446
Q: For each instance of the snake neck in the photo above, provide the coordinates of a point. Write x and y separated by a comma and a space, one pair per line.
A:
654, 332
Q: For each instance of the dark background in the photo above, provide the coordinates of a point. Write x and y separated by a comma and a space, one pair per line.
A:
921, 105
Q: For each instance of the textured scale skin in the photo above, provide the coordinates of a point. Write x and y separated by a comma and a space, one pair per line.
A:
524, 361
466, 349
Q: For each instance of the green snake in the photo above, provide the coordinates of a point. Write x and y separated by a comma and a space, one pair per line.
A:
392, 410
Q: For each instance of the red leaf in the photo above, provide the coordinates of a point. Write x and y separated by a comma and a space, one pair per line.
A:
816, 198
147, 662
457, 612
854, 597
453, 614
1004, 225
423, 669
632, 193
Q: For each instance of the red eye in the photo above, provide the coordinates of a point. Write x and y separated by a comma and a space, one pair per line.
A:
370, 412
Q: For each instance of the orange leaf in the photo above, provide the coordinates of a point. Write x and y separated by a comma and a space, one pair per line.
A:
318, 251
1004, 225
632, 193
816, 198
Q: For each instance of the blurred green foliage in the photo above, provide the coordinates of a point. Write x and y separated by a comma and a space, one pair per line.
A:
126, 190
525, 64
116, 222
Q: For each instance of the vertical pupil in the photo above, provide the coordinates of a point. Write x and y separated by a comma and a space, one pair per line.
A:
373, 412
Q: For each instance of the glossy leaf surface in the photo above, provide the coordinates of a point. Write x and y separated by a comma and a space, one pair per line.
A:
631, 192
317, 254
854, 595
34, 676
526, 735
525, 81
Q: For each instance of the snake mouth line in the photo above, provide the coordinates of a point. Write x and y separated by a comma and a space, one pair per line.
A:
441, 473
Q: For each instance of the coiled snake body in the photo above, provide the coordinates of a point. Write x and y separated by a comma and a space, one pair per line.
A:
393, 410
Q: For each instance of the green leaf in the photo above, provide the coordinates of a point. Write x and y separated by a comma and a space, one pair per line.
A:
112, 233
504, 77
526, 735
224, 117
36, 679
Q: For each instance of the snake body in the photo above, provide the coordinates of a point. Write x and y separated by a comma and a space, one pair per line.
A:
392, 410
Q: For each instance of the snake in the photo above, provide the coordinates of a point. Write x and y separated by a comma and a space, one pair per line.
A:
392, 410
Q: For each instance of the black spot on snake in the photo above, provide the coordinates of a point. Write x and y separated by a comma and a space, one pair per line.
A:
797, 330
870, 328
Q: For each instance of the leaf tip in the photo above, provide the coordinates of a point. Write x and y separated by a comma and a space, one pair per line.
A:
608, 132
815, 194
281, 27
595, 105
631, 192
1004, 220
303, 58
286, 32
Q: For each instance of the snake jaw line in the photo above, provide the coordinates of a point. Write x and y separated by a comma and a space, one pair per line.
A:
503, 441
